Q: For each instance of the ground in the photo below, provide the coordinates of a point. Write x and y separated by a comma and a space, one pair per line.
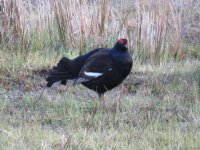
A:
156, 107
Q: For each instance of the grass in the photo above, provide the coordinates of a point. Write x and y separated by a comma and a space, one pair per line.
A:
156, 107
157, 31
160, 113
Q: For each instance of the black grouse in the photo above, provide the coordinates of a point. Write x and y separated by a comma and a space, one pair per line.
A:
101, 69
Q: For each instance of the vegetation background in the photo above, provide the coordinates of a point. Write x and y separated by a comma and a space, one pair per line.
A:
157, 107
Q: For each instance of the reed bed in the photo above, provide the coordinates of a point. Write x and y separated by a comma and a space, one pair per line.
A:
156, 30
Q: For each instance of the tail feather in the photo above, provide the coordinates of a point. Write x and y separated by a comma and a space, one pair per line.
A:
63, 64
61, 72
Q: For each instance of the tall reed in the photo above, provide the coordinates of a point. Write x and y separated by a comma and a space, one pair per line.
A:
155, 29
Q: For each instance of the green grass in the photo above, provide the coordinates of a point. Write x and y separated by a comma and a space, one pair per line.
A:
163, 112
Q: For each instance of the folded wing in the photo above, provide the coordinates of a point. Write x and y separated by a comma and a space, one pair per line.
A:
96, 67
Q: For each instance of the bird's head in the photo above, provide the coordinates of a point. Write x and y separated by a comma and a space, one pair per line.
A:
121, 45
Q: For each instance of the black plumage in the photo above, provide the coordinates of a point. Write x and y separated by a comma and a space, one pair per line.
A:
100, 70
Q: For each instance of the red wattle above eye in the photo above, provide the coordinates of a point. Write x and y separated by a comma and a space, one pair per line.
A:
121, 41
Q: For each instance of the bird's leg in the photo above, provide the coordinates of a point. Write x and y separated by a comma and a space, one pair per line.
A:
102, 102
99, 103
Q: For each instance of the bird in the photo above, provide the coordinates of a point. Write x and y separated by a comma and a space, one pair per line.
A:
100, 70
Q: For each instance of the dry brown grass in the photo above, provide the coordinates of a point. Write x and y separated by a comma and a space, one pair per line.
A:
155, 29
157, 107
